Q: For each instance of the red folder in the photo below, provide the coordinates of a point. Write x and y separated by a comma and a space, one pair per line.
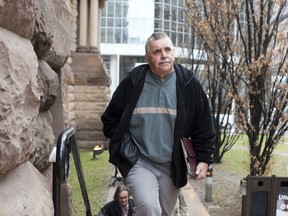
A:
190, 156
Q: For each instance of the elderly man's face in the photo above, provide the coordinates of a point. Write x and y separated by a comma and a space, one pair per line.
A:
160, 57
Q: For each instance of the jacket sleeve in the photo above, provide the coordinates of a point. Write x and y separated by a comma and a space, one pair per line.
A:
203, 132
101, 213
114, 111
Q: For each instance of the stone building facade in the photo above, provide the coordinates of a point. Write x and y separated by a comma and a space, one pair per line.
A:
40, 95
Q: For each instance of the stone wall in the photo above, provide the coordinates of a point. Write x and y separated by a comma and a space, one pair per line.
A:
91, 90
36, 39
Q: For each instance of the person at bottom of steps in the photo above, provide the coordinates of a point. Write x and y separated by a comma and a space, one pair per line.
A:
121, 205
182, 208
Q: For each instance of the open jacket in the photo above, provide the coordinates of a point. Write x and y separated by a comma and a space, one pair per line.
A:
113, 209
194, 120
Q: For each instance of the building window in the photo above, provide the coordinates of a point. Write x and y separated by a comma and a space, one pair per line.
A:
136, 20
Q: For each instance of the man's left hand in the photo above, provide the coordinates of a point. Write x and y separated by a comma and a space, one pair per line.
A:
201, 171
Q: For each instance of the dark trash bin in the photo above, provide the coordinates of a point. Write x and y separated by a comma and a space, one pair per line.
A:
264, 196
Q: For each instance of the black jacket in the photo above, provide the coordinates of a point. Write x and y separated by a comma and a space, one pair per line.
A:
194, 119
113, 209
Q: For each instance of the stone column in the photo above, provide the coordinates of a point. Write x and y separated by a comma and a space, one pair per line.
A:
83, 25
93, 31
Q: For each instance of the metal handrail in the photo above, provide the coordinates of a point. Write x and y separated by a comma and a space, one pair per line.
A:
67, 142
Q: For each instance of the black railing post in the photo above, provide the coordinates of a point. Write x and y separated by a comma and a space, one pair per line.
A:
80, 174
56, 192
66, 142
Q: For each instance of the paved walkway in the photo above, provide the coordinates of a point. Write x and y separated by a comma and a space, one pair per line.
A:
195, 206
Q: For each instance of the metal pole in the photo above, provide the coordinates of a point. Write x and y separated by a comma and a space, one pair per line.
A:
209, 184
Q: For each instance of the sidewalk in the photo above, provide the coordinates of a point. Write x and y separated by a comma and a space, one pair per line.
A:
195, 206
